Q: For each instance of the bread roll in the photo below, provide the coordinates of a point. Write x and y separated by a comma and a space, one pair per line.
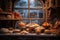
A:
24, 32
22, 24
16, 31
47, 31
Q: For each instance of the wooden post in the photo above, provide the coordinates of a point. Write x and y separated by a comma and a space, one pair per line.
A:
9, 5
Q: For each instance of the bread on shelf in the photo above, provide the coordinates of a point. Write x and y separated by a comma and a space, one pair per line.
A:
46, 25
24, 32
47, 31
32, 24
22, 24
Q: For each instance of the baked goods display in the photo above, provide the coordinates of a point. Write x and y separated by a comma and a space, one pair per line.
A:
21, 24
39, 29
32, 24
16, 31
57, 25
55, 31
17, 15
30, 28
4, 30
46, 25
47, 31
24, 32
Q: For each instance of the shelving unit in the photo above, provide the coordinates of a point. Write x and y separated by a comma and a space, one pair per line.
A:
5, 13
48, 6
6, 21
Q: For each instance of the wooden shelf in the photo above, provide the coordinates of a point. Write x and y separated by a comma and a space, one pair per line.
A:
54, 7
11, 19
5, 13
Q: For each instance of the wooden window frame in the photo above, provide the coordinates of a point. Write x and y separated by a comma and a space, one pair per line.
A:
29, 11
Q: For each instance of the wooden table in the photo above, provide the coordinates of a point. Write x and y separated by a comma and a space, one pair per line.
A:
29, 37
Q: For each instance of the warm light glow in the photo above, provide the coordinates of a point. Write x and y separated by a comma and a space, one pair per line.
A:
32, 0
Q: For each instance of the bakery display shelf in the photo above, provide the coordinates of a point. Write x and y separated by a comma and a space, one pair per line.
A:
10, 19
29, 37
30, 34
5, 13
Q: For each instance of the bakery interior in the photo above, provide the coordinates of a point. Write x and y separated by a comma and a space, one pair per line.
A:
30, 17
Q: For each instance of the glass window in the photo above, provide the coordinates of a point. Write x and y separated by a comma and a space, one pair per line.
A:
30, 9
21, 4
35, 3
24, 13
36, 13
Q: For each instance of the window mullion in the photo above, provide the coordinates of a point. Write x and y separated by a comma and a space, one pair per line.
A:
28, 8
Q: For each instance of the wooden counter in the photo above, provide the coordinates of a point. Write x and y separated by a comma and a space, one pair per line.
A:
29, 37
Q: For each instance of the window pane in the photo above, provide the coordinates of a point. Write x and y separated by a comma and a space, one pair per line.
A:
35, 3
24, 13
36, 13
37, 21
22, 4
